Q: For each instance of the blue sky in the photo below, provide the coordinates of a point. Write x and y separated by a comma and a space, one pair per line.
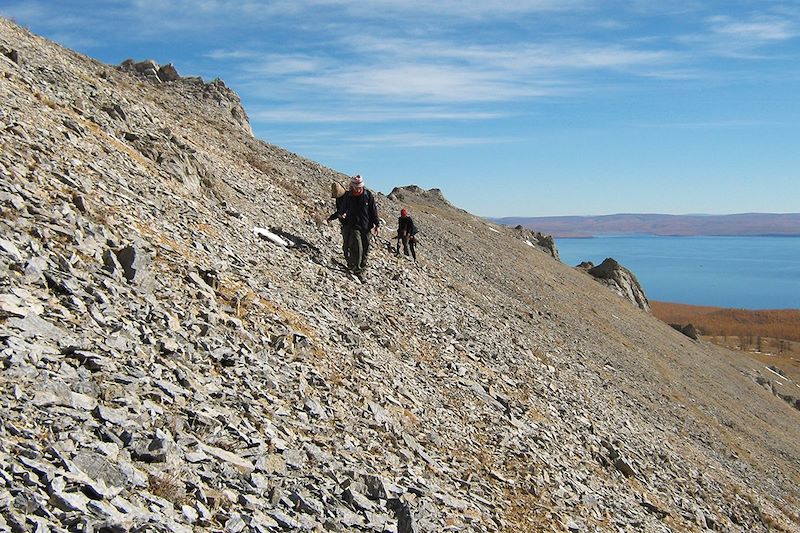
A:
513, 108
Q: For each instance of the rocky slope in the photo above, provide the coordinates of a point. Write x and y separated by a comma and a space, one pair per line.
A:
164, 368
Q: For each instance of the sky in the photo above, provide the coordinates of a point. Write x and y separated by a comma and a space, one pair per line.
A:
512, 108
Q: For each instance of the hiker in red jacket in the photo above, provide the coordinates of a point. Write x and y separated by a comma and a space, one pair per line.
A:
406, 231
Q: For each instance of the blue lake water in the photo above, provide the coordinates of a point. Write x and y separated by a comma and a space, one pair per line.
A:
743, 272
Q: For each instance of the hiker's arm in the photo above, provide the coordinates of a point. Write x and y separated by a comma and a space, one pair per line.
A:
373, 214
341, 209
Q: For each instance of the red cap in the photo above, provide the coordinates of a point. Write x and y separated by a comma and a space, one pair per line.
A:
403, 212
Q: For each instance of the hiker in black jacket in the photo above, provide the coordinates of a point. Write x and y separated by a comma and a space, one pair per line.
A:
360, 215
405, 233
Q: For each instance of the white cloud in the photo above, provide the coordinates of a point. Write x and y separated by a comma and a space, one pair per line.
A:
373, 8
709, 124
742, 38
563, 54
437, 71
362, 115
421, 140
425, 82
24, 12
284, 64
760, 29
224, 55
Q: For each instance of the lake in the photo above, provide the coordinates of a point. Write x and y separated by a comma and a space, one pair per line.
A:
743, 272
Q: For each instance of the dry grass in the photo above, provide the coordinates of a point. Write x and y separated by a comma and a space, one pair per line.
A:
718, 321
261, 165
770, 337
167, 486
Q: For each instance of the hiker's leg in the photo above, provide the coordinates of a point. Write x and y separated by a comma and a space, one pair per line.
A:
405, 244
364, 234
345, 241
412, 244
355, 250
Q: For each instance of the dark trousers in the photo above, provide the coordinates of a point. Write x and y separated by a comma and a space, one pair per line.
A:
358, 249
346, 231
408, 243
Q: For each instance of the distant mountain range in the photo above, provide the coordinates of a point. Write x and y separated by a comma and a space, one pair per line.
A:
744, 224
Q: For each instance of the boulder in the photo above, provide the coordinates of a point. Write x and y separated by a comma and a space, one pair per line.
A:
619, 279
689, 330
168, 72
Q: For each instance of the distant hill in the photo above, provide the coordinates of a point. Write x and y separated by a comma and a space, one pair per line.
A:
654, 224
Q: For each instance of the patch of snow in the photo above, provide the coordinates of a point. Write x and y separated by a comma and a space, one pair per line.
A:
267, 234
780, 376
494, 230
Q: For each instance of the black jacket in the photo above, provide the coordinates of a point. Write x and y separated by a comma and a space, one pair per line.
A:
405, 225
359, 211
339, 204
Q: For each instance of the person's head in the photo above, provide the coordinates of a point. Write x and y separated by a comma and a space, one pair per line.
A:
403, 213
357, 184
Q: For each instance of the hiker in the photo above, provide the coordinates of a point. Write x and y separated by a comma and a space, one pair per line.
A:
360, 215
338, 193
406, 231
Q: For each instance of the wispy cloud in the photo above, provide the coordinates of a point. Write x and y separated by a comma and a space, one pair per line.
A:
421, 140
226, 55
743, 37
373, 9
24, 12
709, 124
284, 64
436, 71
341, 62
427, 83
762, 29
373, 115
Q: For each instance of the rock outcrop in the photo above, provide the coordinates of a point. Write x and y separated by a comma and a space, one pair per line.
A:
546, 243
687, 329
151, 70
214, 90
165, 367
416, 194
619, 279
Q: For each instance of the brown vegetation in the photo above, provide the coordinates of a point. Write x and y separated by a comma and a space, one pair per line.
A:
771, 337
717, 321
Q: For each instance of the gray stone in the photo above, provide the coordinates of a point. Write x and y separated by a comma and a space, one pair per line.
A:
358, 500
272, 464
111, 415
285, 521
235, 524
11, 250
34, 326
107, 479
59, 394
64, 500
306, 504
242, 465
150, 450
